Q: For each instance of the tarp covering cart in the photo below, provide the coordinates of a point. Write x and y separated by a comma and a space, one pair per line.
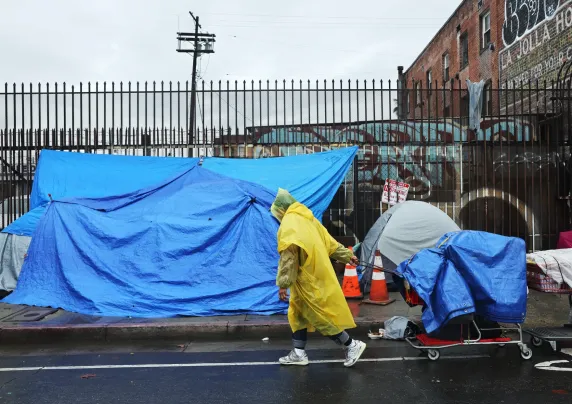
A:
469, 274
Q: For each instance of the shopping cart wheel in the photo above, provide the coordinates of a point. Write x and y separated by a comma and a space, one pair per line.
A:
526, 353
433, 354
536, 341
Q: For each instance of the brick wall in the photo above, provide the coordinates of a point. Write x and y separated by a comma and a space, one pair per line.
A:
528, 50
538, 53
519, 55
483, 63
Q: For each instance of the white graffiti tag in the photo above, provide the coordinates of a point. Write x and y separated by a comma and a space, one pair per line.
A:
523, 16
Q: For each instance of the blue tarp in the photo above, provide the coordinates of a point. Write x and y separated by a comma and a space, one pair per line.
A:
199, 244
470, 272
311, 178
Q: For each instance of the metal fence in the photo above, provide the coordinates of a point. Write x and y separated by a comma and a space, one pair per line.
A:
509, 176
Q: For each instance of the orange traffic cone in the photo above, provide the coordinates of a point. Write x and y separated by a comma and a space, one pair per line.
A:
378, 293
355, 307
350, 285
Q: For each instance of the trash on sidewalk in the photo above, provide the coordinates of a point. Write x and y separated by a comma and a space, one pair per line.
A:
376, 334
265, 339
396, 328
88, 376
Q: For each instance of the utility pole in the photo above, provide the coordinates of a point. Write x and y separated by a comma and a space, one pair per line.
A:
202, 43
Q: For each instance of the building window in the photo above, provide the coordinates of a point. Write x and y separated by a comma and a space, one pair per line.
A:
464, 51
408, 106
429, 80
487, 99
485, 30
418, 93
445, 67
464, 115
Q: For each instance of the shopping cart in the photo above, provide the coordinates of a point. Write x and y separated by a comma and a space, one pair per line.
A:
432, 346
554, 336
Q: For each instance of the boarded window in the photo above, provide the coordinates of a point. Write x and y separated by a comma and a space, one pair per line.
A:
464, 51
487, 99
429, 80
446, 76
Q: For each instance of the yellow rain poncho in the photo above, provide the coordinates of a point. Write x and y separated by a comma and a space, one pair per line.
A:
305, 247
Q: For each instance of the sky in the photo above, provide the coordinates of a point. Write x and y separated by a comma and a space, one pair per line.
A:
127, 40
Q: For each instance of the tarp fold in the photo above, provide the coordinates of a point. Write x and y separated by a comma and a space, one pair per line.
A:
470, 272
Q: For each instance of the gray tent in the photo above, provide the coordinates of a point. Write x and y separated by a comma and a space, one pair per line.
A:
13, 248
403, 231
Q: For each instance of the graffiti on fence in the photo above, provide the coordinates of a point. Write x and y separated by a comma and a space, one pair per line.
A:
393, 133
531, 161
426, 155
442, 161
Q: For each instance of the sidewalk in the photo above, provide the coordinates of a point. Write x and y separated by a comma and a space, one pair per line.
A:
22, 324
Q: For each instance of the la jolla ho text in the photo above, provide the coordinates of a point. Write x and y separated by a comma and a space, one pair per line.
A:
539, 37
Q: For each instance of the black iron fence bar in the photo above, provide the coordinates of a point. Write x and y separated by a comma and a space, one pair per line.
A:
409, 143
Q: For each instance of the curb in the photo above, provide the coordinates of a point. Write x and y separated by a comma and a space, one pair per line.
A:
126, 332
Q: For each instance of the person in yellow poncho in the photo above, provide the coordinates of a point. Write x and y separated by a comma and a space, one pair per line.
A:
316, 300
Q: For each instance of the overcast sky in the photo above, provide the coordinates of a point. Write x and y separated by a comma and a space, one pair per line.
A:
113, 40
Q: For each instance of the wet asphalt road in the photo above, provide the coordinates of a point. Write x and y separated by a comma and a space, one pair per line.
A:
245, 372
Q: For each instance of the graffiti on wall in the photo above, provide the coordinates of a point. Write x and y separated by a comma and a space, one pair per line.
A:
537, 38
522, 16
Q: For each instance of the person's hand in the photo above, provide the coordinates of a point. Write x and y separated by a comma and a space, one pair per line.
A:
283, 294
354, 261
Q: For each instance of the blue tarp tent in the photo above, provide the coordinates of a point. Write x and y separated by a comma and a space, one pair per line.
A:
312, 178
200, 243
470, 272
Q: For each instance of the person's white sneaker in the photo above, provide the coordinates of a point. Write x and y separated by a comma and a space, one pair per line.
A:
354, 352
294, 359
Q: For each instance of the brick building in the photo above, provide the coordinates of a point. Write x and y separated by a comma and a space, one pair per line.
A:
506, 43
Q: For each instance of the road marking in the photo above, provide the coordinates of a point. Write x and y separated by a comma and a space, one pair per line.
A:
548, 366
222, 364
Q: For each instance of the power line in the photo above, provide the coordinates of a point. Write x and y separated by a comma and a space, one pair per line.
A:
341, 27
329, 17
236, 110
298, 45
335, 23
269, 23
200, 111
203, 74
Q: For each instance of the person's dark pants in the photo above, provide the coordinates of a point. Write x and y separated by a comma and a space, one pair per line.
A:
300, 337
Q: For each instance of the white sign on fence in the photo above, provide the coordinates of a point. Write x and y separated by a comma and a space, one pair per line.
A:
394, 192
